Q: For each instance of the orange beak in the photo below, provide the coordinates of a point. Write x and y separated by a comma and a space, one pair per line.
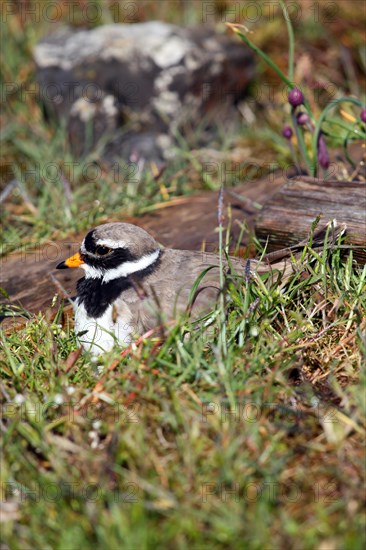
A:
73, 261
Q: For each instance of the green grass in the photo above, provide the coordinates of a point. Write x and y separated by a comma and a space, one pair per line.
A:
248, 434
175, 446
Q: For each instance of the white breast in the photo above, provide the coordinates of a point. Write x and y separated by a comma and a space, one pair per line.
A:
103, 333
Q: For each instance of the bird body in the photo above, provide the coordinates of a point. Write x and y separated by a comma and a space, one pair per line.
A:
132, 285
139, 302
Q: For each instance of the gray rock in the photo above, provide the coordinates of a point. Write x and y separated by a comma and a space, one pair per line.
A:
119, 83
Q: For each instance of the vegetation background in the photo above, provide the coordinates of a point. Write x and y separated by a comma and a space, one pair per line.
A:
249, 435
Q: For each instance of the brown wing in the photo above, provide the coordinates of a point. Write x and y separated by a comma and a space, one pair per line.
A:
166, 293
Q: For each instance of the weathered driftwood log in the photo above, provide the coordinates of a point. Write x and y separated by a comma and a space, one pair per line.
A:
29, 275
286, 218
31, 281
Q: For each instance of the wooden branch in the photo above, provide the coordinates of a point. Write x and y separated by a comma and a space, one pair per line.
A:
286, 218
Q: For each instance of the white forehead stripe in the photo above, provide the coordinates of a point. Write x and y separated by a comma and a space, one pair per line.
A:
123, 270
110, 243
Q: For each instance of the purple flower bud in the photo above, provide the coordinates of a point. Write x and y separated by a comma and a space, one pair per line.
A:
323, 155
287, 132
363, 115
302, 118
296, 97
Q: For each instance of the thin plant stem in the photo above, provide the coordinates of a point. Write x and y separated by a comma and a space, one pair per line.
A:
221, 350
358, 132
264, 56
291, 40
301, 143
294, 158
223, 347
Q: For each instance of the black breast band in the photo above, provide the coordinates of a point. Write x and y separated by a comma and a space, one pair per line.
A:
97, 296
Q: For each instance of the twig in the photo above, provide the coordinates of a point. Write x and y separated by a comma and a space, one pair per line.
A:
341, 344
15, 184
59, 287
8, 189
72, 358
253, 205
357, 170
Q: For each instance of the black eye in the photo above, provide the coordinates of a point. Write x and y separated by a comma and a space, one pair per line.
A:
102, 250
